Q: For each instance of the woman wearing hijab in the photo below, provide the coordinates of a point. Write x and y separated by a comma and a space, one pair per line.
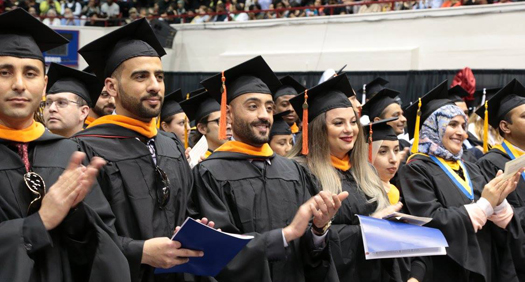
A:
470, 211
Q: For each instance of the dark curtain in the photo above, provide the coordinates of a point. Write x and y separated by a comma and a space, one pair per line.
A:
411, 84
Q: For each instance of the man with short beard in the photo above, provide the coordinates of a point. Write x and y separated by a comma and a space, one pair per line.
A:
248, 189
147, 177
51, 225
105, 106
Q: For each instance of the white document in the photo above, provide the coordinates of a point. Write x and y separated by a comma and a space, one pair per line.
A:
198, 151
511, 167
406, 218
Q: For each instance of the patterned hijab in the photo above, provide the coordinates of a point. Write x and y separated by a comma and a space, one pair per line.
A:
433, 130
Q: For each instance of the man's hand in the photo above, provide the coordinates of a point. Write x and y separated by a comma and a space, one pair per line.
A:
164, 253
70, 189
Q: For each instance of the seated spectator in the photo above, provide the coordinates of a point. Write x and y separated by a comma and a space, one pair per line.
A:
110, 9
143, 13
51, 18
255, 16
46, 5
69, 18
73, 6
33, 4
451, 3
163, 6
32, 11
220, 8
316, 11
240, 17
92, 8
330, 11
280, 14
201, 15
133, 15
296, 13
265, 4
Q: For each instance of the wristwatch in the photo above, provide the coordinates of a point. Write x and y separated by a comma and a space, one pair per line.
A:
321, 231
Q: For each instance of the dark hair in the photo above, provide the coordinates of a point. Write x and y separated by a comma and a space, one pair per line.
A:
195, 137
167, 119
508, 120
81, 102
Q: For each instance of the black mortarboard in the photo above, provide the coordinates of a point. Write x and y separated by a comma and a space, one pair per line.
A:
483, 94
171, 105
289, 86
501, 103
199, 105
381, 130
372, 88
23, 36
280, 126
64, 79
331, 94
252, 76
433, 100
106, 53
377, 104
457, 93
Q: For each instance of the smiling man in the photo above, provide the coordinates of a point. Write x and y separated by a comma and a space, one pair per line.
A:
289, 89
70, 94
147, 177
251, 190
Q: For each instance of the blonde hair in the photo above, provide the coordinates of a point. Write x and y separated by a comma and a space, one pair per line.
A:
478, 130
319, 163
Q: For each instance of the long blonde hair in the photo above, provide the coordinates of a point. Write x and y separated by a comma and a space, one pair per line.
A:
478, 130
319, 163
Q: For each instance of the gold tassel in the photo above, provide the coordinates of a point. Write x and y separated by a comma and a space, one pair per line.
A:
486, 128
186, 133
415, 144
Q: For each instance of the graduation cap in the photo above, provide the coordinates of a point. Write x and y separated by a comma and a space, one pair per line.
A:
499, 105
252, 76
199, 105
64, 79
106, 53
457, 93
280, 126
378, 103
171, 105
289, 86
480, 96
329, 73
24, 36
331, 94
419, 111
379, 130
372, 88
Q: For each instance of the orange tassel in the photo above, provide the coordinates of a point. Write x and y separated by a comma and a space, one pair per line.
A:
486, 128
370, 140
186, 133
222, 121
305, 123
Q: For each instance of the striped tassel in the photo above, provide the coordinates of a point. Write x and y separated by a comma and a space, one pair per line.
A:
222, 121
415, 144
305, 123
486, 128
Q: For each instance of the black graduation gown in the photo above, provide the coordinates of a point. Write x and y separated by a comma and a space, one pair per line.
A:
495, 160
395, 180
481, 256
243, 199
346, 243
81, 248
129, 182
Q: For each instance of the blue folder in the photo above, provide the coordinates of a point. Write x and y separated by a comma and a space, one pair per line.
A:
219, 248
389, 239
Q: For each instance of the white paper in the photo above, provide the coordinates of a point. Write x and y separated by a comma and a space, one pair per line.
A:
406, 218
198, 151
511, 167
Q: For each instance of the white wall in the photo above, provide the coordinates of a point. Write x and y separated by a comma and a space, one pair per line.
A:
480, 37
